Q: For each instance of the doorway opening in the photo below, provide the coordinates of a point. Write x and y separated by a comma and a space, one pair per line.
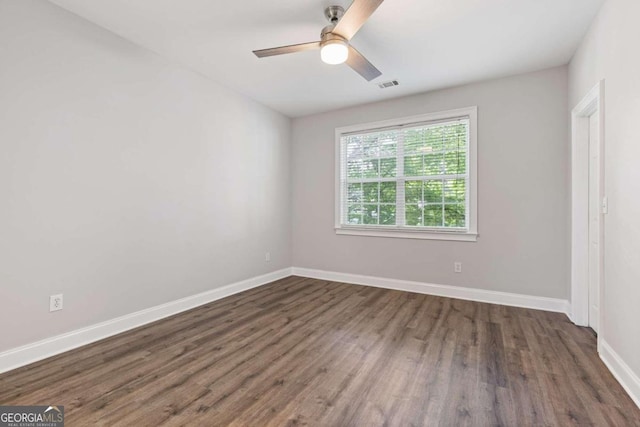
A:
588, 205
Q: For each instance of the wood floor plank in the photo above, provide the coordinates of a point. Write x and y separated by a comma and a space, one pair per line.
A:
309, 352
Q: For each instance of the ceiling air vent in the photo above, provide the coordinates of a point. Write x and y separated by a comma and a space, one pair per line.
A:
385, 85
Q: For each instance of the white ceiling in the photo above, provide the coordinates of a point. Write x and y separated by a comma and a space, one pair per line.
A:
424, 44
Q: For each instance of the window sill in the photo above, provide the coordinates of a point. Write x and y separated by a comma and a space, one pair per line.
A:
407, 234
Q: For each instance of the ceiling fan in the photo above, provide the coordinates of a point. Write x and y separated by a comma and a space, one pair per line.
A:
334, 39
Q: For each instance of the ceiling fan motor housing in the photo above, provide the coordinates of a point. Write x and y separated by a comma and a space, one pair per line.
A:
327, 36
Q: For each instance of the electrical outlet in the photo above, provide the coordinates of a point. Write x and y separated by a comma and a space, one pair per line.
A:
267, 257
457, 267
55, 302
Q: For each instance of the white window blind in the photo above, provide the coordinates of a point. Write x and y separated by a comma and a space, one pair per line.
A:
409, 177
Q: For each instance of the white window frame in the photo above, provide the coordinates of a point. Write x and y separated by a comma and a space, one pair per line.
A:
469, 235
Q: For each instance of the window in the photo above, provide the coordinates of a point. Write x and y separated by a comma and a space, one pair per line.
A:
413, 177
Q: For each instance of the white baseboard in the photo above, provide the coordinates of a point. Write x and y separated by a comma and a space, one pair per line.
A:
480, 295
21, 356
621, 371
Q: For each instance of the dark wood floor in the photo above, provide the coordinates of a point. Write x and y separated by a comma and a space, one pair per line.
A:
309, 352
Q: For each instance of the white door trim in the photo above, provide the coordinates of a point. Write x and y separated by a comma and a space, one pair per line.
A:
593, 103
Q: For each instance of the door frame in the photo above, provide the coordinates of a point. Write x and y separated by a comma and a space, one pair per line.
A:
592, 103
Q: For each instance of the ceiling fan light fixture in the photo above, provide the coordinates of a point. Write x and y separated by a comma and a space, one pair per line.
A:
334, 52
334, 39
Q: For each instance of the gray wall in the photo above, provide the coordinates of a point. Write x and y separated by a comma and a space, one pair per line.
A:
610, 51
523, 187
125, 181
